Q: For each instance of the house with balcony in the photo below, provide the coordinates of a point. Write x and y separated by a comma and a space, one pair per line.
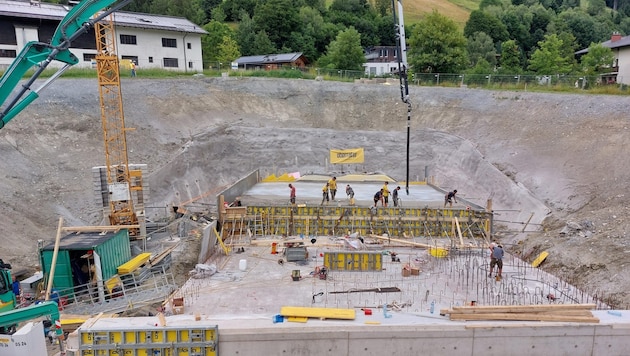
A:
381, 60
620, 68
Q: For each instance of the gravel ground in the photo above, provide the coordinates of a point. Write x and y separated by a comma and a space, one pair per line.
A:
555, 160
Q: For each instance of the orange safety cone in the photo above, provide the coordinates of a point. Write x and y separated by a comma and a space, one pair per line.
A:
274, 248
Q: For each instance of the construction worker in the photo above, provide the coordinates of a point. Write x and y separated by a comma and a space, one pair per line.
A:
332, 185
350, 194
448, 198
496, 259
325, 193
385, 191
292, 194
395, 195
378, 197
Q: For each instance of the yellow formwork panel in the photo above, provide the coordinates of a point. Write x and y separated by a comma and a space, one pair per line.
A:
164, 341
353, 261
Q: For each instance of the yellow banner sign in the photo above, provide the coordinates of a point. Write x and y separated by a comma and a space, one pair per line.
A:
353, 155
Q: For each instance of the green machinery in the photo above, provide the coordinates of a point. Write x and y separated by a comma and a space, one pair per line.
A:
38, 55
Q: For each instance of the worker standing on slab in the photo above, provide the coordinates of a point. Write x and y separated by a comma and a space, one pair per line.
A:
378, 197
395, 196
448, 198
350, 194
292, 194
325, 193
496, 259
332, 185
385, 192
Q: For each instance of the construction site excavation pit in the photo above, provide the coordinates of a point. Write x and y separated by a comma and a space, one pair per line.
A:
333, 278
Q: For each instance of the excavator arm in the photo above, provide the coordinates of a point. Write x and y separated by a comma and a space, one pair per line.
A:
39, 55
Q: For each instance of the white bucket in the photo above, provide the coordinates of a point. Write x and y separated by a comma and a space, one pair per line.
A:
242, 265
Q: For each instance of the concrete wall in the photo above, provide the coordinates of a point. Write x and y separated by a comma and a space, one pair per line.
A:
459, 340
237, 189
208, 242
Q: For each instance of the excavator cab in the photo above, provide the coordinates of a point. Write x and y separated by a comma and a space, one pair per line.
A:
7, 298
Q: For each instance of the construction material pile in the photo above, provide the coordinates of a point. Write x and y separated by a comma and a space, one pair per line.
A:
579, 313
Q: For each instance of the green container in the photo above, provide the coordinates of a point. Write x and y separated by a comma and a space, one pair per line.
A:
76, 256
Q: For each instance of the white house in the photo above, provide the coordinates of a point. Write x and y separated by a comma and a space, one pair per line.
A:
381, 60
152, 41
620, 68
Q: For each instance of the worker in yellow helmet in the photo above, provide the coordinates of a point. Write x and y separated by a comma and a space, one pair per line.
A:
385, 194
332, 185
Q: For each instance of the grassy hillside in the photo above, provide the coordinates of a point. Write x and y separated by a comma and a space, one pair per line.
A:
458, 10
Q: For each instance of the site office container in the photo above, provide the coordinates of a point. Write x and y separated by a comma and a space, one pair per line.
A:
75, 260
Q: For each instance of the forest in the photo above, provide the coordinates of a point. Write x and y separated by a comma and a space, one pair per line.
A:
500, 36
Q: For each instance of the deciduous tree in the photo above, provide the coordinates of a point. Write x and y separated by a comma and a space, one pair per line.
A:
437, 46
345, 52
548, 59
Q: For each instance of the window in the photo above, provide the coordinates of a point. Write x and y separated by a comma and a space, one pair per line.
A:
128, 39
189, 45
190, 64
171, 63
150, 59
169, 42
8, 53
131, 58
383, 53
88, 57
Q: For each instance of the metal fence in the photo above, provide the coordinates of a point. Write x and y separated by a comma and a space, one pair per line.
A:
512, 80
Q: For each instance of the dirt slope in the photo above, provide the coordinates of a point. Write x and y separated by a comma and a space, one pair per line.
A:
557, 159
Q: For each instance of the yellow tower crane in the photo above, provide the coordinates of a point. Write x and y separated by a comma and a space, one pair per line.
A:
121, 181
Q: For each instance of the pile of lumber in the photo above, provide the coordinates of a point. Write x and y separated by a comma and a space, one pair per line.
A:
579, 313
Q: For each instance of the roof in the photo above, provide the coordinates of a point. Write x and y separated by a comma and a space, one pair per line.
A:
270, 58
82, 241
622, 42
48, 11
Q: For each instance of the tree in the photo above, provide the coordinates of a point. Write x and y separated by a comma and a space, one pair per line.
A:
480, 47
510, 58
599, 59
262, 44
228, 51
210, 42
480, 21
548, 59
437, 46
278, 18
246, 35
345, 52
233, 9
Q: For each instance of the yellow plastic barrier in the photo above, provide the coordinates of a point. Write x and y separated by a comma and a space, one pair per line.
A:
134, 263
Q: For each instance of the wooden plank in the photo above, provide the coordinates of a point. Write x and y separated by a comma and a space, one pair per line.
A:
404, 242
576, 312
98, 228
520, 308
459, 232
525, 317
297, 319
322, 313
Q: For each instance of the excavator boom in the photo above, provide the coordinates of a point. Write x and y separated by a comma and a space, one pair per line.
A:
39, 55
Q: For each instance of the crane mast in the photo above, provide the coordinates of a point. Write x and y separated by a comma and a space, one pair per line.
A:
121, 180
